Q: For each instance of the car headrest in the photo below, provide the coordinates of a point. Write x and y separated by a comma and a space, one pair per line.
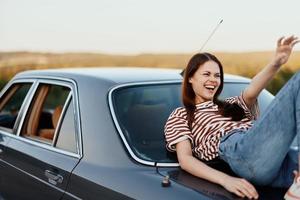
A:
56, 115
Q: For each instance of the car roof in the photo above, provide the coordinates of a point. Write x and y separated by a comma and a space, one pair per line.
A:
117, 74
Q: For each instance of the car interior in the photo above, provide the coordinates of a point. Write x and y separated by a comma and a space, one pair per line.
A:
42, 119
142, 112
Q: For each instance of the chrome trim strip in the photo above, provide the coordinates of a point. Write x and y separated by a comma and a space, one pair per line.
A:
167, 164
8, 85
25, 107
66, 104
78, 136
57, 81
112, 111
72, 195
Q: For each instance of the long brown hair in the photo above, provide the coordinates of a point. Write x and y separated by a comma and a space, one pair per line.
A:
188, 95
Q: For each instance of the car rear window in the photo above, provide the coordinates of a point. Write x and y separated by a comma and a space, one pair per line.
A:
142, 110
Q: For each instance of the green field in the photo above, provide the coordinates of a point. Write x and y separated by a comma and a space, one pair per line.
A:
245, 64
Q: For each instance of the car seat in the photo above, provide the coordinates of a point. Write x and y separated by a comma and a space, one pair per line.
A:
49, 133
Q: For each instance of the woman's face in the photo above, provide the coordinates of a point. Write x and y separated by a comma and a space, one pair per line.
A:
206, 81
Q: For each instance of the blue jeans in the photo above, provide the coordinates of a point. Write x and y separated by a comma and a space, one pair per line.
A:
262, 154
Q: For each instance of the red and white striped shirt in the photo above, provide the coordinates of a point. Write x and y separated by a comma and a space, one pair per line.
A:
208, 127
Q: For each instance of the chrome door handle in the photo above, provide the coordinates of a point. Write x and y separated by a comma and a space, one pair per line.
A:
53, 177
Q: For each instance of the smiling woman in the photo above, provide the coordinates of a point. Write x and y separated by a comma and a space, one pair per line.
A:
207, 128
209, 78
206, 83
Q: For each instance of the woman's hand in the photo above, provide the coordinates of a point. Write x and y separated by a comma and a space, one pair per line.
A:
283, 50
240, 187
260, 80
189, 163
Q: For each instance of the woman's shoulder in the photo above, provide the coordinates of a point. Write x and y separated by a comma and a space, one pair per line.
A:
178, 112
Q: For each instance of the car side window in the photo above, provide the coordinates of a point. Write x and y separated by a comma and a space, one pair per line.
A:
10, 104
44, 112
66, 138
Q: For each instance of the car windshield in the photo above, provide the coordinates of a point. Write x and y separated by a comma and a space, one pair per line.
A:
142, 110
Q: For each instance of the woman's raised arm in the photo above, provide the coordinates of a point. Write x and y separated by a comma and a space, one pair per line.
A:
260, 80
189, 163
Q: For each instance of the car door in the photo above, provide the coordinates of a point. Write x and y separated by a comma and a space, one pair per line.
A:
39, 165
12, 98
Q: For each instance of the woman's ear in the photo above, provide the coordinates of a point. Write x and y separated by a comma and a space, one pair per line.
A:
190, 80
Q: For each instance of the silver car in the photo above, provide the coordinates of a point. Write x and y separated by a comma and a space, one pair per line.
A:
97, 133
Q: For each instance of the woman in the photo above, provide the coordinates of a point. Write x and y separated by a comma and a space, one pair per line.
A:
256, 149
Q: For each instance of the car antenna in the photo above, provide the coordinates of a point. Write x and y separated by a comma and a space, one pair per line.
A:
212, 33
166, 178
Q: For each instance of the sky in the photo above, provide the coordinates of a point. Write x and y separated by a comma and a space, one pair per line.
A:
145, 26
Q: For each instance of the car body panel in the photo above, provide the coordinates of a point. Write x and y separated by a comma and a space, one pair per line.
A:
214, 191
39, 168
104, 166
28, 164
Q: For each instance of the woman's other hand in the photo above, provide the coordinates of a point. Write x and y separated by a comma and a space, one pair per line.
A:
239, 186
189, 163
260, 80
283, 50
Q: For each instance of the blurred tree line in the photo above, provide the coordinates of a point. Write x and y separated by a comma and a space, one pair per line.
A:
274, 86
244, 64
